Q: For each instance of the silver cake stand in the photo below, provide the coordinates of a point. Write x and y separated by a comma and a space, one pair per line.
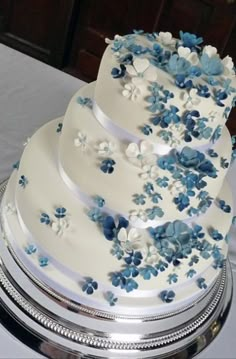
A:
58, 328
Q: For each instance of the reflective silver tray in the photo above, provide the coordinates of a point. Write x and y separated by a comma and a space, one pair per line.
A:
58, 328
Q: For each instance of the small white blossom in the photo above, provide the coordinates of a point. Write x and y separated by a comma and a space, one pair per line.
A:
138, 214
105, 148
10, 208
149, 171
131, 91
166, 39
228, 66
141, 154
129, 240
142, 69
59, 226
81, 141
210, 51
150, 255
189, 55
191, 99
176, 188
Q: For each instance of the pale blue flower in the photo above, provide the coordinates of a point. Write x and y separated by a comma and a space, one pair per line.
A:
191, 273
111, 298
85, 101
154, 212
43, 261
89, 286
100, 202
95, 215
178, 65
167, 296
23, 181
190, 40
30, 249
162, 182
211, 66
139, 199
148, 271
201, 283
172, 278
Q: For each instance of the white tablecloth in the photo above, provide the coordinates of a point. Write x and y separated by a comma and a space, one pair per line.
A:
32, 93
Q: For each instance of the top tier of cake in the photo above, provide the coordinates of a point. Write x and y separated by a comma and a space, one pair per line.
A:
157, 88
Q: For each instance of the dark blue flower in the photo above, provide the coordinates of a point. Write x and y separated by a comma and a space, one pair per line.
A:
127, 59
215, 234
89, 286
201, 283
161, 266
118, 72
190, 40
130, 271
16, 165
146, 130
224, 163
45, 218
167, 296
197, 232
191, 273
162, 182
225, 207
212, 153
59, 127
138, 49
193, 260
220, 96
157, 233
203, 91
23, 181
182, 83
110, 229
130, 285
182, 201
60, 212
107, 166
211, 66
134, 258
118, 280
178, 65
157, 49
95, 215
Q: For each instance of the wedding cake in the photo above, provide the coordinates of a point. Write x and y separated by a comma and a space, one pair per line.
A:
122, 205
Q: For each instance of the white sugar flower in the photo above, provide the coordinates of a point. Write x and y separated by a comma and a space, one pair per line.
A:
132, 91
105, 148
150, 255
210, 51
212, 116
228, 66
149, 171
81, 141
176, 188
10, 208
142, 69
129, 240
138, 214
189, 55
191, 99
166, 39
141, 154
59, 226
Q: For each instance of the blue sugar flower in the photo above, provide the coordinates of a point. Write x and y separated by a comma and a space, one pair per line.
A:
161, 266
211, 66
225, 207
167, 296
178, 232
203, 91
148, 188
215, 234
212, 153
117, 251
218, 263
166, 162
172, 278
162, 182
16, 165
190, 40
110, 229
194, 71
95, 215
193, 260
154, 212
130, 285
205, 248
130, 271
45, 218
89, 286
156, 103
23, 181
118, 280
111, 298
85, 101
107, 166
156, 197
226, 112
134, 258
118, 72
139, 199
201, 283
224, 163
220, 96
182, 83
226, 86
60, 212
127, 59
178, 65
166, 135
30, 249
234, 220
197, 232
152, 36
182, 201
100, 202
59, 127
157, 233
190, 158
167, 117
146, 130
138, 49
148, 271
216, 134
191, 273
43, 261
157, 49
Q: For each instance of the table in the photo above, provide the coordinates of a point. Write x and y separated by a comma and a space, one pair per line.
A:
32, 93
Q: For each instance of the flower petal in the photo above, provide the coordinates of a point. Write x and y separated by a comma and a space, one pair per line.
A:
184, 51
132, 150
146, 148
141, 65
122, 235
150, 74
131, 70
